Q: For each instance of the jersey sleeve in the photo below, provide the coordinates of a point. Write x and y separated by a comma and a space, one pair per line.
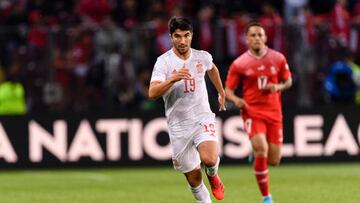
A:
284, 73
209, 60
233, 77
159, 71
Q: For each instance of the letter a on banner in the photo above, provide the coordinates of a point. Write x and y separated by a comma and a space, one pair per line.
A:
85, 144
341, 138
6, 150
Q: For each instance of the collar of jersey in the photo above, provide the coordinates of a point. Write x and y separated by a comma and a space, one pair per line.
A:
182, 60
259, 57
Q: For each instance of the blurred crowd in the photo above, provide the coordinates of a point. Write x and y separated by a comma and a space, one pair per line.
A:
97, 55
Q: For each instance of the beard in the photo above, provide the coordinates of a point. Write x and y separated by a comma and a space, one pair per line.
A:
182, 49
256, 50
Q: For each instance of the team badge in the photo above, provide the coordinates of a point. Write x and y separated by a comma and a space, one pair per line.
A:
199, 68
273, 70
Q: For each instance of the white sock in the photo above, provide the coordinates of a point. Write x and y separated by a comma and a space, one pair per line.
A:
267, 196
211, 171
201, 193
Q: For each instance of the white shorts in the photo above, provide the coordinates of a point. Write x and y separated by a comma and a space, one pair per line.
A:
185, 139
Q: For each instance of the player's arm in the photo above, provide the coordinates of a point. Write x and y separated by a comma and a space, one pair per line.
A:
284, 85
158, 88
285, 77
232, 81
214, 76
231, 96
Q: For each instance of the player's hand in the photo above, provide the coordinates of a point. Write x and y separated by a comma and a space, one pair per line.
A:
240, 103
182, 73
221, 99
273, 88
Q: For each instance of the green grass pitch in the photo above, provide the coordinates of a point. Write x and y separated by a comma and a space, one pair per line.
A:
308, 183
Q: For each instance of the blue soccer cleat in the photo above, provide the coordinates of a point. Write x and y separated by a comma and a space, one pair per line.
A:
267, 199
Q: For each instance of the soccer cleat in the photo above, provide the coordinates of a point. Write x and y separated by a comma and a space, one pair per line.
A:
217, 188
267, 199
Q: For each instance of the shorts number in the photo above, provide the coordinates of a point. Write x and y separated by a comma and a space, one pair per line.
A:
248, 124
210, 128
189, 85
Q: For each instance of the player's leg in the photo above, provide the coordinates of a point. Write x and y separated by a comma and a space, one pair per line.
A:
275, 140
274, 154
209, 156
206, 142
261, 171
186, 159
256, 129
188, 162
197, 186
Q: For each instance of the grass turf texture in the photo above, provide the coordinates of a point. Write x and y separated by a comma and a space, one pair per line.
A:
326, 183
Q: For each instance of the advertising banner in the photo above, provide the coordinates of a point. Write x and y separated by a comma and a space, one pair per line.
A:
140, 139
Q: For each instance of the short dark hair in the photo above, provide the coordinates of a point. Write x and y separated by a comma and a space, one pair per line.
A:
179, 23
253, 24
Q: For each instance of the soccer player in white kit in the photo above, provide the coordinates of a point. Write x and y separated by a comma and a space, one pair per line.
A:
179, 77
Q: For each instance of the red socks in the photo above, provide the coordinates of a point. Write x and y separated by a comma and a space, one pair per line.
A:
261, 173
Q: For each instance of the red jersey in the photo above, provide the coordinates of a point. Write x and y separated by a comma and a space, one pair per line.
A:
256, 73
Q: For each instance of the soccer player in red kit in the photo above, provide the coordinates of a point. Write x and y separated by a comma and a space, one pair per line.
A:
264, 74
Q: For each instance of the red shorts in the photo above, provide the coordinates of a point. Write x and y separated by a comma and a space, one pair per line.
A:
273, 130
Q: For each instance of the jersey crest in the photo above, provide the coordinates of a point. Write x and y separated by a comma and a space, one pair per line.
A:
199, 68
273, 70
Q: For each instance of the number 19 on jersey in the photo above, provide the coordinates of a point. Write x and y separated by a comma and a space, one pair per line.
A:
189, 85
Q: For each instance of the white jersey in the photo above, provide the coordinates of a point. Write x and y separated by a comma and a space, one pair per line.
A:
186, 100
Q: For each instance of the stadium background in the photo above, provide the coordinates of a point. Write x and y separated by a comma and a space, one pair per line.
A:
81, 70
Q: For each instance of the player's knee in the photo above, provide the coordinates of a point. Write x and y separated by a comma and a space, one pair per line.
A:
194, 177
210, 161
261, 151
